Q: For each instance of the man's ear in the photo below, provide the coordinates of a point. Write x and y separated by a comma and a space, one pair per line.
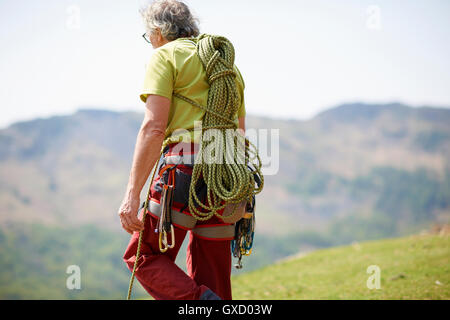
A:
159, 34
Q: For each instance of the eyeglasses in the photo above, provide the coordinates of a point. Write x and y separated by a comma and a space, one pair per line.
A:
146, 38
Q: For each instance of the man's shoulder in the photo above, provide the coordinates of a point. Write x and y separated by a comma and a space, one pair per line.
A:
239, 76
176, 50
184, 47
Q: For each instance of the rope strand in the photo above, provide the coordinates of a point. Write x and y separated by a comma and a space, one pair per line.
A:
144, 213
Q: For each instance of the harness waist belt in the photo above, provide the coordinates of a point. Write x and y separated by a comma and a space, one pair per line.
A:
188, 222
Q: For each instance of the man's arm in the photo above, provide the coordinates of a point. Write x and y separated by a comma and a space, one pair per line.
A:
242, 123
146, 153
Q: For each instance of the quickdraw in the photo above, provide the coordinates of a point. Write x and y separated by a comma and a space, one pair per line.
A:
165, 222
245, 231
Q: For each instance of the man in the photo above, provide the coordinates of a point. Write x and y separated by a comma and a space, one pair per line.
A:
174, 65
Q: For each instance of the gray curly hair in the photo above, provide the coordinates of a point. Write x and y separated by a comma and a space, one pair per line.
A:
172, 17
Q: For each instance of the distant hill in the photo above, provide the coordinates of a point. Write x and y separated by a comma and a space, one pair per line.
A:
352, 173
342, 163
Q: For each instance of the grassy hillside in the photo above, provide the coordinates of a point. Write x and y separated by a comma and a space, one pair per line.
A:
415, 267
34, 260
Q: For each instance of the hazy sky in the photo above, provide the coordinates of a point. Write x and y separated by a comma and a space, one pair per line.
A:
297, 57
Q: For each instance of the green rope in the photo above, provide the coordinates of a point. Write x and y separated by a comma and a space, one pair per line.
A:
228, 182
144, 214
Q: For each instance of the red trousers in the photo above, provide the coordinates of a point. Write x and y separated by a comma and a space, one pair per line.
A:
208, 265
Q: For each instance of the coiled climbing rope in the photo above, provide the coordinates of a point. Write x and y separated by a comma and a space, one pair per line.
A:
226, 181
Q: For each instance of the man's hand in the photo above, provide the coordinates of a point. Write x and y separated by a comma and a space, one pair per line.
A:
128, 212
146, 153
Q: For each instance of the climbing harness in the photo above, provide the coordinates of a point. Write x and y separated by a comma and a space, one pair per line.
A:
226, 183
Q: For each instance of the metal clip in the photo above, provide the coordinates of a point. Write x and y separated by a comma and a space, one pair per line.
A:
163, 244
165, 220
238, 265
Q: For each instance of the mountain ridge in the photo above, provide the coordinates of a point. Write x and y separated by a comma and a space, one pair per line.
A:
76, 167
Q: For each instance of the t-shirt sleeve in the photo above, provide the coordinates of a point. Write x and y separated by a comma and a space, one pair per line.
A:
159, 76
241, 111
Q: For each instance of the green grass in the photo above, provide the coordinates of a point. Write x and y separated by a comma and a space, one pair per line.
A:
415, 267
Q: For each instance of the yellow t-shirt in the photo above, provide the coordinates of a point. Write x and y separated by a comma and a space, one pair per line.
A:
176, 66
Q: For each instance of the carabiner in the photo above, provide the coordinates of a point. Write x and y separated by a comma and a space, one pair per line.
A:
163, 240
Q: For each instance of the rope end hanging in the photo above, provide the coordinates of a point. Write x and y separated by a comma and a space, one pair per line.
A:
144, 214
